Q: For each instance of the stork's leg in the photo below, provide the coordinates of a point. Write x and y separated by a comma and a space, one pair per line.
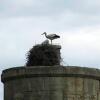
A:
51, 42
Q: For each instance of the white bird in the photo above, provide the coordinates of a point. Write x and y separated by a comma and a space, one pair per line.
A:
46, 42
51, 36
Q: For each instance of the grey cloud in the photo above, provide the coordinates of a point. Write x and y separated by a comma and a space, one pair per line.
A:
35, 8
61, 14
48, 7
87, 7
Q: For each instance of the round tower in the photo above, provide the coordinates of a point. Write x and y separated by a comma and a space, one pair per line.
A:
51, 83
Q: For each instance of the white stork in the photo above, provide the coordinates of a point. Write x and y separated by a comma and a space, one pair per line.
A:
46, 42
51, 36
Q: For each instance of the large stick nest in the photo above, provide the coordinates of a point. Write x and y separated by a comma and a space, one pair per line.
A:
43, 55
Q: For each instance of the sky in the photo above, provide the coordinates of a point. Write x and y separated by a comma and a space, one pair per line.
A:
76, 21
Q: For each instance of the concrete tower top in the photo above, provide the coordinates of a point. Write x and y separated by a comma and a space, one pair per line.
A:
49, 71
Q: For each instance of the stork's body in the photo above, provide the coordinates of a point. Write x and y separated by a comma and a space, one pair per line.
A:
51, 36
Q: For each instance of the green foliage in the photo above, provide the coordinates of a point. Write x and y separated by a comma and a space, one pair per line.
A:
42, 55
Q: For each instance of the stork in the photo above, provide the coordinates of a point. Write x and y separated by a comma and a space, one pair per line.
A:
46, 42
51, 36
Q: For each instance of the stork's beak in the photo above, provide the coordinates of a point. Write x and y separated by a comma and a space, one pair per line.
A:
43, 33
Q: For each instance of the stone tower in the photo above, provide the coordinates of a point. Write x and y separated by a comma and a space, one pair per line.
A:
51, 83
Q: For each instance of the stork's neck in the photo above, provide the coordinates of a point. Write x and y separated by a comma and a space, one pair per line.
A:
45, 34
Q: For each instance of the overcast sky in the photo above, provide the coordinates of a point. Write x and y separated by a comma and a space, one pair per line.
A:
23, 21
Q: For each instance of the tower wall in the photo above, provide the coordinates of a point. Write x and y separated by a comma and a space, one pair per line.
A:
51, 83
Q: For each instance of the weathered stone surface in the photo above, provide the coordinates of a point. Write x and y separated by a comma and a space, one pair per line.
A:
51, 83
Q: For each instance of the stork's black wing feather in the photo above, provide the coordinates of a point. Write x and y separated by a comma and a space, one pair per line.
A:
57, 36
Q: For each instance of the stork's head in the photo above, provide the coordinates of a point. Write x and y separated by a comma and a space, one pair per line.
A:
44, 33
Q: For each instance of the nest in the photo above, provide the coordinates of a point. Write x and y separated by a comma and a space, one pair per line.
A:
43, 55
